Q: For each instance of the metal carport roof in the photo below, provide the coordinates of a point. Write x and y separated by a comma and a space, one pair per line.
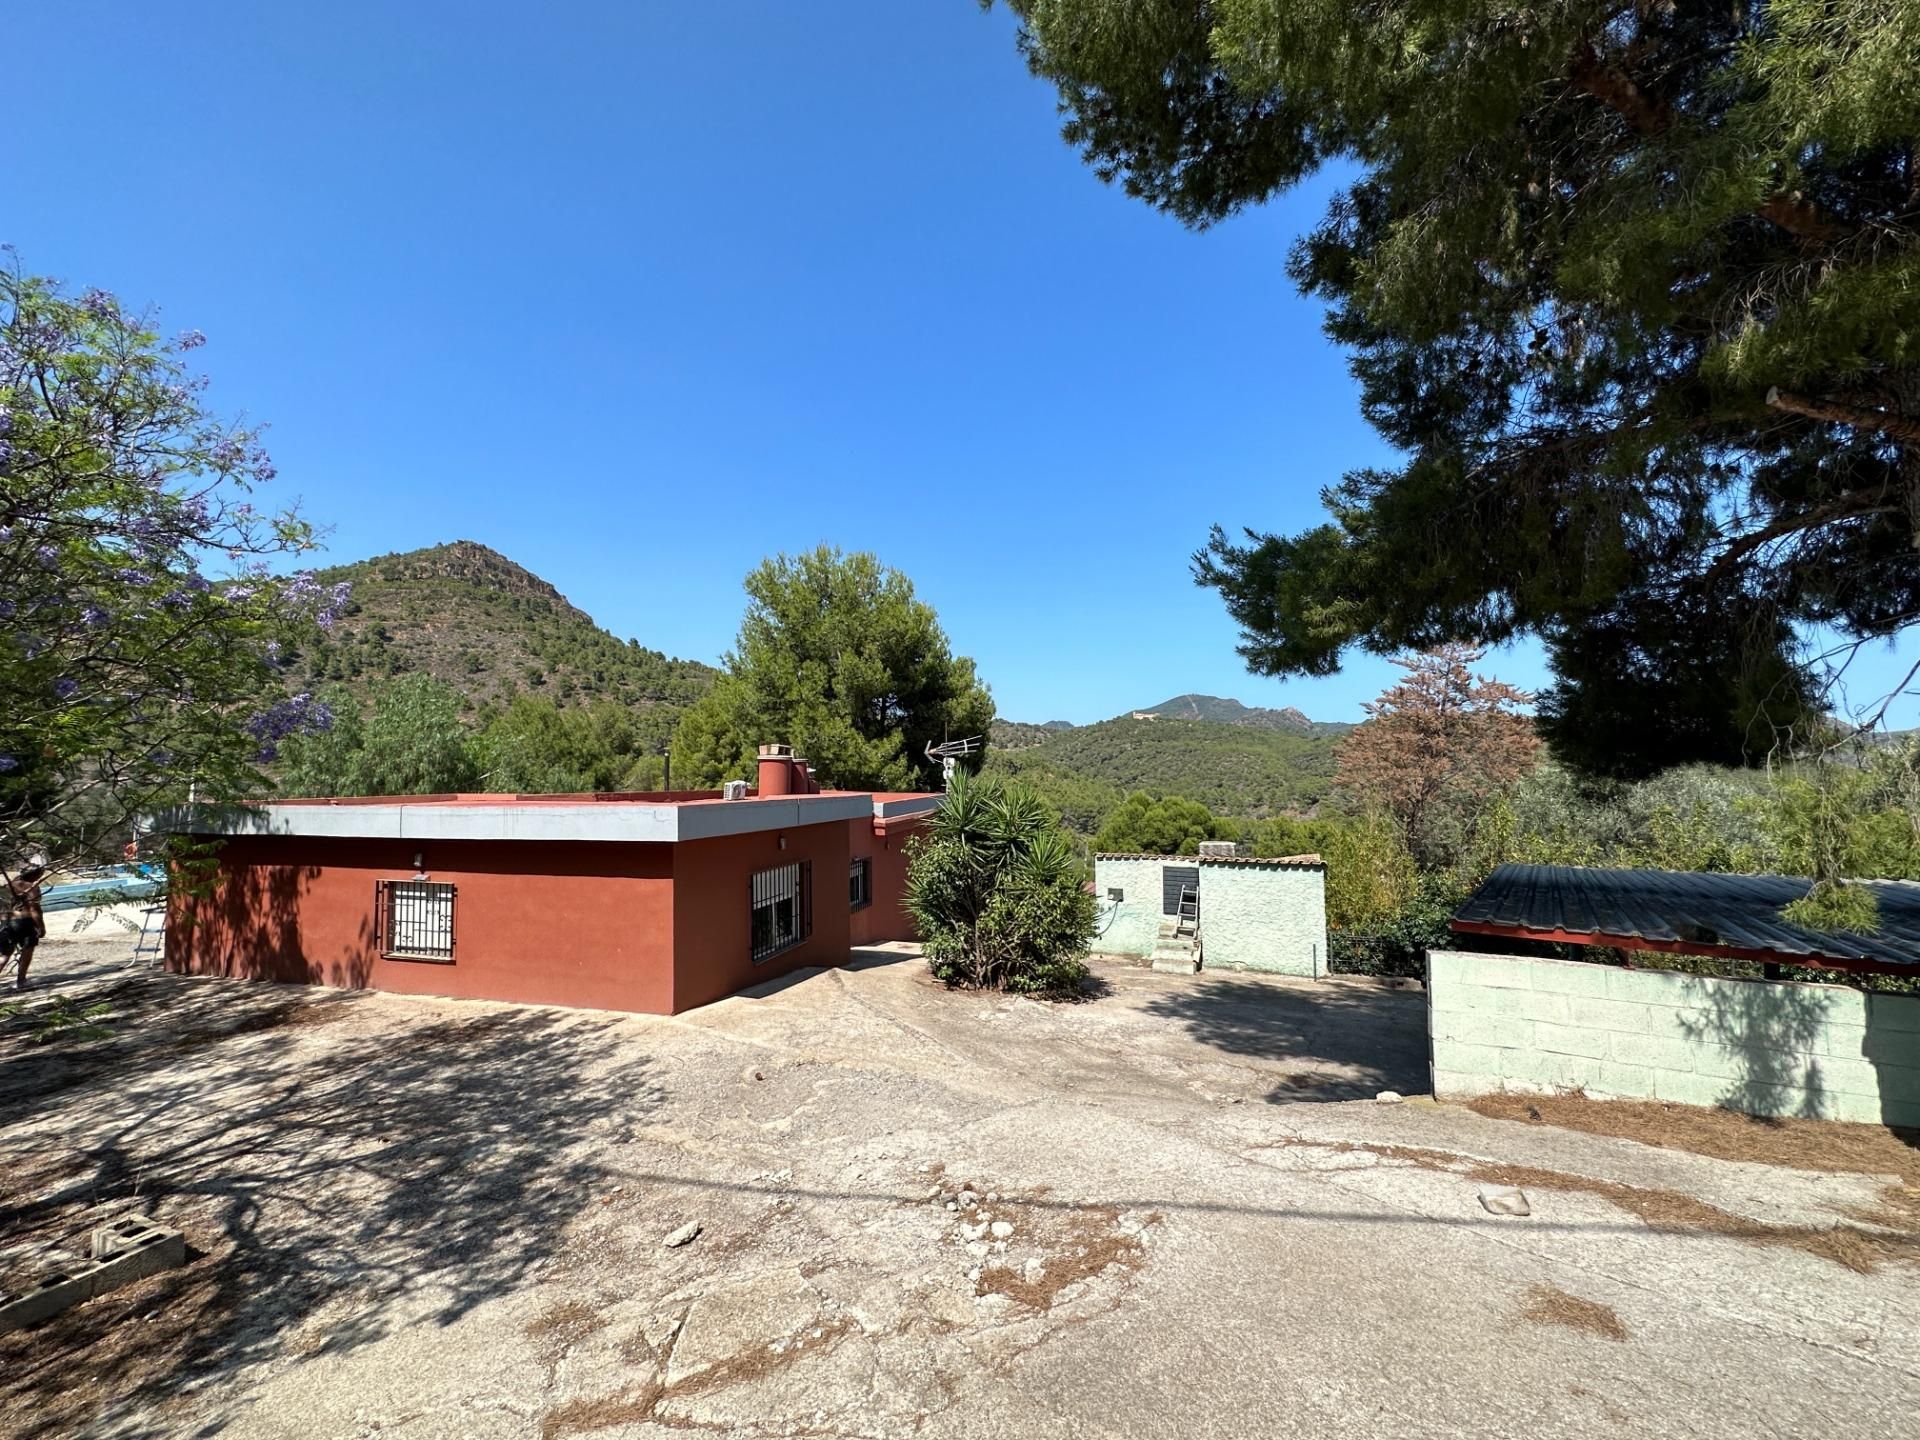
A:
1689, 912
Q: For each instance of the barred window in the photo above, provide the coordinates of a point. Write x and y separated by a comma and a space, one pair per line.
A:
782, 909
859, 884
413, 920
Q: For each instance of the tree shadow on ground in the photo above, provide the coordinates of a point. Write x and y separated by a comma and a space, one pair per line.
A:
1348, 1044
411, 1172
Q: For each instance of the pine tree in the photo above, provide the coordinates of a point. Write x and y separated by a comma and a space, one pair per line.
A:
1634, 286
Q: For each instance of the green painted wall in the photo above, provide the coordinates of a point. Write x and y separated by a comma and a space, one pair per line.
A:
1501, 1022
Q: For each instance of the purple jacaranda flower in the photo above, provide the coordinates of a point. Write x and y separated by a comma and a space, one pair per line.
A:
6, 420
6, 533
100, 304
49, 556
7, 608
65, 688
94, 616
162, 758
7, 762
6, 452
297, 714
198, 582
190, 340
127, 575
176, 600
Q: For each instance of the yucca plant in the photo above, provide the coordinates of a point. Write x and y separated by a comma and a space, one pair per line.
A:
996, 891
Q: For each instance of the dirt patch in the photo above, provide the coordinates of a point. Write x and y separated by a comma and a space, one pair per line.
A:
1550, 1305
564, 1324
1795, 1144
602, 1412
1895, 1238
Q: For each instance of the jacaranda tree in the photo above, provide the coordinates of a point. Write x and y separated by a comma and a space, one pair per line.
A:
131, 676
1633, 287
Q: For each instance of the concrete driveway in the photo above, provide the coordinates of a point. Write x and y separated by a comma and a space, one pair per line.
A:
1165, 1211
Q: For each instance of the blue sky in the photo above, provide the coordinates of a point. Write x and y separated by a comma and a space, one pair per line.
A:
638, 294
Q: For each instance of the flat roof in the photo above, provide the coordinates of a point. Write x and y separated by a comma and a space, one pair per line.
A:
1689, 912
659, 817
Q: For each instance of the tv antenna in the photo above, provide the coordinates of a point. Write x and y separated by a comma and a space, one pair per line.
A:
948, 753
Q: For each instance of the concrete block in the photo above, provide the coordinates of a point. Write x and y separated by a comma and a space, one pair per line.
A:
1664, 1052
1848, 1042
1543, 1070
1498, 971
1474, 1029
1893, 1012
1851, 1077
126, 1250
1464, 1084
1688, 1087
1890, 1047
1570, 1040
1539, 1005
1896, 1082
1448, 993
1457, 1055
1623, 1082
1902, 1113
1624, 1016
1573, 978
1645, 987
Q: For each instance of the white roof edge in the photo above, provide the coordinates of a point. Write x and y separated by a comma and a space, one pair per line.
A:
912, 805
609, 821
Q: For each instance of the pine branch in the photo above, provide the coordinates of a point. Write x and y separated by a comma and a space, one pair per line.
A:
1649, 115
1895, 427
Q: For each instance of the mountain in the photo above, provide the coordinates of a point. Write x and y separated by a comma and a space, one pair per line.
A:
1013, 735
470, 617
1222, 711
1243, 770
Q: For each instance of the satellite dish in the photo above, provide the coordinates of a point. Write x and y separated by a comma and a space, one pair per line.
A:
951, 752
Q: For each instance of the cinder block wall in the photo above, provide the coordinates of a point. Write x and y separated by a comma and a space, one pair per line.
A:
1501, 1022
1130, 925
1264, 917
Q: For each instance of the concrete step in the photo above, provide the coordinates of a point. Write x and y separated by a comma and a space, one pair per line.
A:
1175, 957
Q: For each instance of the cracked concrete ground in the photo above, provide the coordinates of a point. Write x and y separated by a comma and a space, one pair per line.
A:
1164, 1211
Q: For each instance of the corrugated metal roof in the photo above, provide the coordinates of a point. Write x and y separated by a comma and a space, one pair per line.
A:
1689, 912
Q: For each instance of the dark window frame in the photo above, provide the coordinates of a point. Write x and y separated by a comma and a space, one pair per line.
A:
767, 890
410, 904
862, 866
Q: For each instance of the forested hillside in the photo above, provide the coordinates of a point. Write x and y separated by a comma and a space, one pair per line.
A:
1223, 711
1235, 770
490, 629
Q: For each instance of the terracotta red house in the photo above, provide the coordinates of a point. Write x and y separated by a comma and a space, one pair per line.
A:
650, 902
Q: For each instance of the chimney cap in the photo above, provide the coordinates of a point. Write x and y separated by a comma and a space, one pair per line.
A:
776, 752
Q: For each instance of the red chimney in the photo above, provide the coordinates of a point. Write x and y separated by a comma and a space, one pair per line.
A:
776, 770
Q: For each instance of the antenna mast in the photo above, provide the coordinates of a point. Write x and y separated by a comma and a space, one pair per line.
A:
949, 753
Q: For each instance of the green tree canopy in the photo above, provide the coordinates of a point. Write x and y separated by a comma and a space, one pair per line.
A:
1150, 824
1634, 288
410, 742
837, 658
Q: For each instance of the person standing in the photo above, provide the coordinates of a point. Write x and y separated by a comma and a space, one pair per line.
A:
26, 924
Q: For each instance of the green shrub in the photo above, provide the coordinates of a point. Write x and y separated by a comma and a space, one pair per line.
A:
997, 892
